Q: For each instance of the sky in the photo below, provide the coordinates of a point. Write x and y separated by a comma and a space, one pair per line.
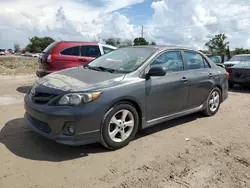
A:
189, 23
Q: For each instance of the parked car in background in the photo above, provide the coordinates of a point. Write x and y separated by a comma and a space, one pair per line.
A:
109, 99
217, 59
2, 52
239, 74
66, 54
237, 59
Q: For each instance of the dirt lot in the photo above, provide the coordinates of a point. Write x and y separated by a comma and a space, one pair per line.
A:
216, 155
13, 65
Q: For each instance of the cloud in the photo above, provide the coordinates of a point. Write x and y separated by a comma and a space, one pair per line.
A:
193, 22
178, 22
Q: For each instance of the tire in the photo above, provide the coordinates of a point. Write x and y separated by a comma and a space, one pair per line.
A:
210, 111
114, 133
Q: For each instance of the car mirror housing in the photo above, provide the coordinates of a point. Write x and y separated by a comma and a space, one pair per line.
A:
156, 71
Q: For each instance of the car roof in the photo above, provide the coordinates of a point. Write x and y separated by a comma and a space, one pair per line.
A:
164, 47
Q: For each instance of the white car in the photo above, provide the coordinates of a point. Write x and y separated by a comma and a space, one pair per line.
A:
2, 53
237, 59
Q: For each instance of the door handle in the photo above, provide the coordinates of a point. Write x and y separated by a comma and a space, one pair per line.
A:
210, 75
184, 79
82, 59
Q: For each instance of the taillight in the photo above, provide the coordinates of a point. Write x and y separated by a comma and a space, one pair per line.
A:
49, 59
229, 70
227, 75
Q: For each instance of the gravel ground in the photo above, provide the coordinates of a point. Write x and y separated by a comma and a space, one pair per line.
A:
193, 151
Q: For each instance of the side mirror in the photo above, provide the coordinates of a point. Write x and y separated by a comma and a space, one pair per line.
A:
156, 71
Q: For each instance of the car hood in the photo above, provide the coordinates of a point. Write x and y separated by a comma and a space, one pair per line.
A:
79, 79
232, 62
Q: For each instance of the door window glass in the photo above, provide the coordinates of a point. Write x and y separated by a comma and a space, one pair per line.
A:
172, 61
195, 61
73, 51
90, 51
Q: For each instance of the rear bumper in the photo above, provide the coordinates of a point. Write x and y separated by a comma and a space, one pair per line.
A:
238, 80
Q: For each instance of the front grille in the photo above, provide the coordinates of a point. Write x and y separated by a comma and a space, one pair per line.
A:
42, 98
229, 65
42, 126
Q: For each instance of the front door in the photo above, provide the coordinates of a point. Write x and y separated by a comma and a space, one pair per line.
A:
167, 94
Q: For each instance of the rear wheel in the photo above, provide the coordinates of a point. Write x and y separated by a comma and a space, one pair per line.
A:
213, 102
119, 126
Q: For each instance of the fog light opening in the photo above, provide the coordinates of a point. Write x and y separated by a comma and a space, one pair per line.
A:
69, 129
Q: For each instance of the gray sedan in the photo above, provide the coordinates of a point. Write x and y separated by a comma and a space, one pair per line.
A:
119, 93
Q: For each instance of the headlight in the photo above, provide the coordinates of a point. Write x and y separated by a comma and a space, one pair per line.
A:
72, 99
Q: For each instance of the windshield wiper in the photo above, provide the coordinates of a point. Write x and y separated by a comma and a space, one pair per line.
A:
106, 69
92, 68
100, 68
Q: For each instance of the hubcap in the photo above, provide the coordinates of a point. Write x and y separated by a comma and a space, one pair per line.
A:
121, 125
214, 101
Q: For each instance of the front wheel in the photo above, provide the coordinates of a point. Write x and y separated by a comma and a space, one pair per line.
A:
119, 126
213, 102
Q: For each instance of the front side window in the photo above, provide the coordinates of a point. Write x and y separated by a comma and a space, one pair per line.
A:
73, 51
195, 60
90, 51
123, 59
172, 61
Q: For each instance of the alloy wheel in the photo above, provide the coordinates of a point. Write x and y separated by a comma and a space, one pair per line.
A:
214, 101
121, 125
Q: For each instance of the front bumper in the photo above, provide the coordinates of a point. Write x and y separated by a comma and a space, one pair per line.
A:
50, 124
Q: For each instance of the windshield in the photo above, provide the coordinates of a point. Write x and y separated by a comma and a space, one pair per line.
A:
240, 58
123, 59
49, 48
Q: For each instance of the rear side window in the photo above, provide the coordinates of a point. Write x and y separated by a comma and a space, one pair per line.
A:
195, 60
107, 50
50, 47
90, 51
73, 51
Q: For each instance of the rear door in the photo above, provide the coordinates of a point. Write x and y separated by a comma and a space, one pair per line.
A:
67, 58
89, 53
200, 77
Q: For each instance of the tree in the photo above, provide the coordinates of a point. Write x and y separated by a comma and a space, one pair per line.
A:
153, 43
218, 44
140, 41
17, 48
37, 44
241, 51
112, 42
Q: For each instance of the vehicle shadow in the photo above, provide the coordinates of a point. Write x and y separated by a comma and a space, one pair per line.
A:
23, 89
23, 142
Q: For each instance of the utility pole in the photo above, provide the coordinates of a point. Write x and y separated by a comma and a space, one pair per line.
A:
142, 31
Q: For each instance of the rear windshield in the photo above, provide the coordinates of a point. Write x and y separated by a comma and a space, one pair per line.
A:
50, 47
